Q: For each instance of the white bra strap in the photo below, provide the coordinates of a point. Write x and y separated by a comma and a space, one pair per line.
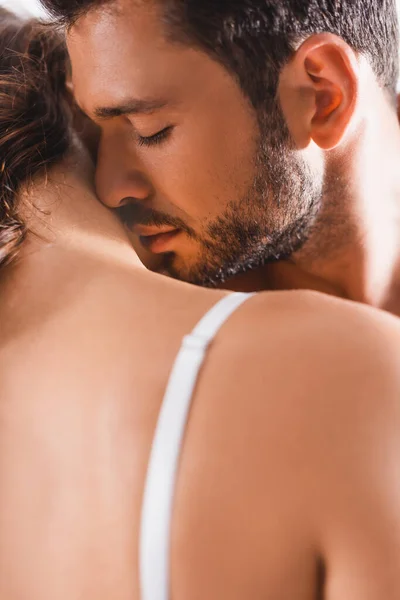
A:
164, 459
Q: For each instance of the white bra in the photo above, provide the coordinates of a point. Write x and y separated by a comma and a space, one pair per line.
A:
154, 544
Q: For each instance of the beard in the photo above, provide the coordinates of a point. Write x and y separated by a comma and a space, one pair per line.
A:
269, 223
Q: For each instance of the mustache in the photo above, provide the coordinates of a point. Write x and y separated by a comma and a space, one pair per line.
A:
135, 213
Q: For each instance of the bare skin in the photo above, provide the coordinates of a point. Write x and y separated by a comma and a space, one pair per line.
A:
341, 121
289, 484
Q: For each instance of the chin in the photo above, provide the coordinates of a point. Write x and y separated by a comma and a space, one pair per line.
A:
181, 268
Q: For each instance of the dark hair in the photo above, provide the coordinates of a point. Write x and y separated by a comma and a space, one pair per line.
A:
254, 38
34, 127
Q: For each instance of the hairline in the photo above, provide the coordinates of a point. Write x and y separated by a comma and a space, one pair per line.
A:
176, 34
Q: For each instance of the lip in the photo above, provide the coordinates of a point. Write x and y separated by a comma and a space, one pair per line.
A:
151, 230
160, 242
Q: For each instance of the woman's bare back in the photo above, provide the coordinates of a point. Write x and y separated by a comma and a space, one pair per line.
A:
288, 467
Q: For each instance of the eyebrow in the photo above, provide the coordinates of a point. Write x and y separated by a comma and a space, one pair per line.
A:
130, 107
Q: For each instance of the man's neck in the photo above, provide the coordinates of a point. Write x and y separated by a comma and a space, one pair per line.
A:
353, 250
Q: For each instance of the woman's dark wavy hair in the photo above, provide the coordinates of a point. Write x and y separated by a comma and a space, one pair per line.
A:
34, 118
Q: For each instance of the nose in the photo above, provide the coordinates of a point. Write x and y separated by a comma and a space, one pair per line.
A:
119, 176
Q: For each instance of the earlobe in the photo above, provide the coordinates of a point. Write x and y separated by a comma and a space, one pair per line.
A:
324, 76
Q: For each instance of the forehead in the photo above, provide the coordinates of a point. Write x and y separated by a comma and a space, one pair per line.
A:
105, 46
122, 50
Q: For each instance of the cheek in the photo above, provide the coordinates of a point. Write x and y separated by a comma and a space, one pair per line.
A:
204, 170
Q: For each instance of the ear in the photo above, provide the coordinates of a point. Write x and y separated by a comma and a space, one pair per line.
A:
318, 91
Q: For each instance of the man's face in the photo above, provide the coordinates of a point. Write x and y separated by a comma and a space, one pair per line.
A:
208, 185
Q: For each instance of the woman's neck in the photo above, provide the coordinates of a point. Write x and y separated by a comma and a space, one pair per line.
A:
62, 212
73, 242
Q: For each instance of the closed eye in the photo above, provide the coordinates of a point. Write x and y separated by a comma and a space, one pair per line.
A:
155, 139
